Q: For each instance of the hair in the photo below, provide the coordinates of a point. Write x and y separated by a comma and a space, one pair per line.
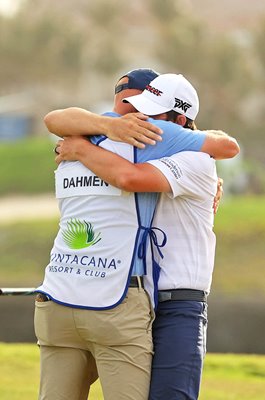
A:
172, 116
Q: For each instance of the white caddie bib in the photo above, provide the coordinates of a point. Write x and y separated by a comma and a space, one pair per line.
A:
94, 250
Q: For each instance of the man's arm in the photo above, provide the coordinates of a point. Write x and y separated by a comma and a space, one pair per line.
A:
131, 128
112, 168
220, 145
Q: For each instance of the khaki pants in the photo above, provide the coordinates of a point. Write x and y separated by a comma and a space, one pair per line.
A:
76, 343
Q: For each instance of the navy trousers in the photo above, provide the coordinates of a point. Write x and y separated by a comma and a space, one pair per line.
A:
179, 335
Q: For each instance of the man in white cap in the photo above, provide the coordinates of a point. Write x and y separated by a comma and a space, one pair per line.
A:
175, 93
179, 330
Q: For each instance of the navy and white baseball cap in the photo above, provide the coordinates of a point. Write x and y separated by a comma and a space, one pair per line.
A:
137, 79
165, 93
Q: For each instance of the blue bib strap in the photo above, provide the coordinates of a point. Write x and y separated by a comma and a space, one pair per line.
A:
156, 273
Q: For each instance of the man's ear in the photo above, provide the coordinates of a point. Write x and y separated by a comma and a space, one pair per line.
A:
181, 120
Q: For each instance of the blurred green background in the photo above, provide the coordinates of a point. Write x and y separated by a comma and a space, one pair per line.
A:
55, 57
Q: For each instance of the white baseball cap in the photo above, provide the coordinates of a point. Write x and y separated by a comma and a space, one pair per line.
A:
165, 93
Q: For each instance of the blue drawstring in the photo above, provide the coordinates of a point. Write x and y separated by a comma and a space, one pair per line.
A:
142, 251
151, 232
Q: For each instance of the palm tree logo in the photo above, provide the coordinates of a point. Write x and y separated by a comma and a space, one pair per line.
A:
80, 235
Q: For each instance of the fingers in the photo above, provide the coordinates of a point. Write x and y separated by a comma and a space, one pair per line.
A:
57, 147
135, 130
220, 183
140, 116
143, 137
139, 120
148, 137
57, 151
148, 127
135, 143
215, 207
216, 204
147, 134
219, 194
58, 159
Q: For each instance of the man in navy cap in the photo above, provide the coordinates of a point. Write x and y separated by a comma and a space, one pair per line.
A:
131, 128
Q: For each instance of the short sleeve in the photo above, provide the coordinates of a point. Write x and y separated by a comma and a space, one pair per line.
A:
188, 173
175, 139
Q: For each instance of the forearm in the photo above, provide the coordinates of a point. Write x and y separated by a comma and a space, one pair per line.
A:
105, 164
220, 145
76, 121
123, 174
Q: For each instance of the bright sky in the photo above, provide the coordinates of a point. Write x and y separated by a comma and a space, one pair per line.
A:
9, 7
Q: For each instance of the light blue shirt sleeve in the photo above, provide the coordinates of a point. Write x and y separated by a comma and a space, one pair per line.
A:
174, 140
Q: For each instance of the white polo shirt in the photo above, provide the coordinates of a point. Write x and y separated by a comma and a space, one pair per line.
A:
186, 216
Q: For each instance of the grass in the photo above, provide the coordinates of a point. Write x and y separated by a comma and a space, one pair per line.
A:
226, 376
233, 377
19, 377
27, 166
32, 242
240, 214
240, 250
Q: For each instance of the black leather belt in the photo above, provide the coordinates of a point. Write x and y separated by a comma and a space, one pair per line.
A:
136, 281
182, 294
